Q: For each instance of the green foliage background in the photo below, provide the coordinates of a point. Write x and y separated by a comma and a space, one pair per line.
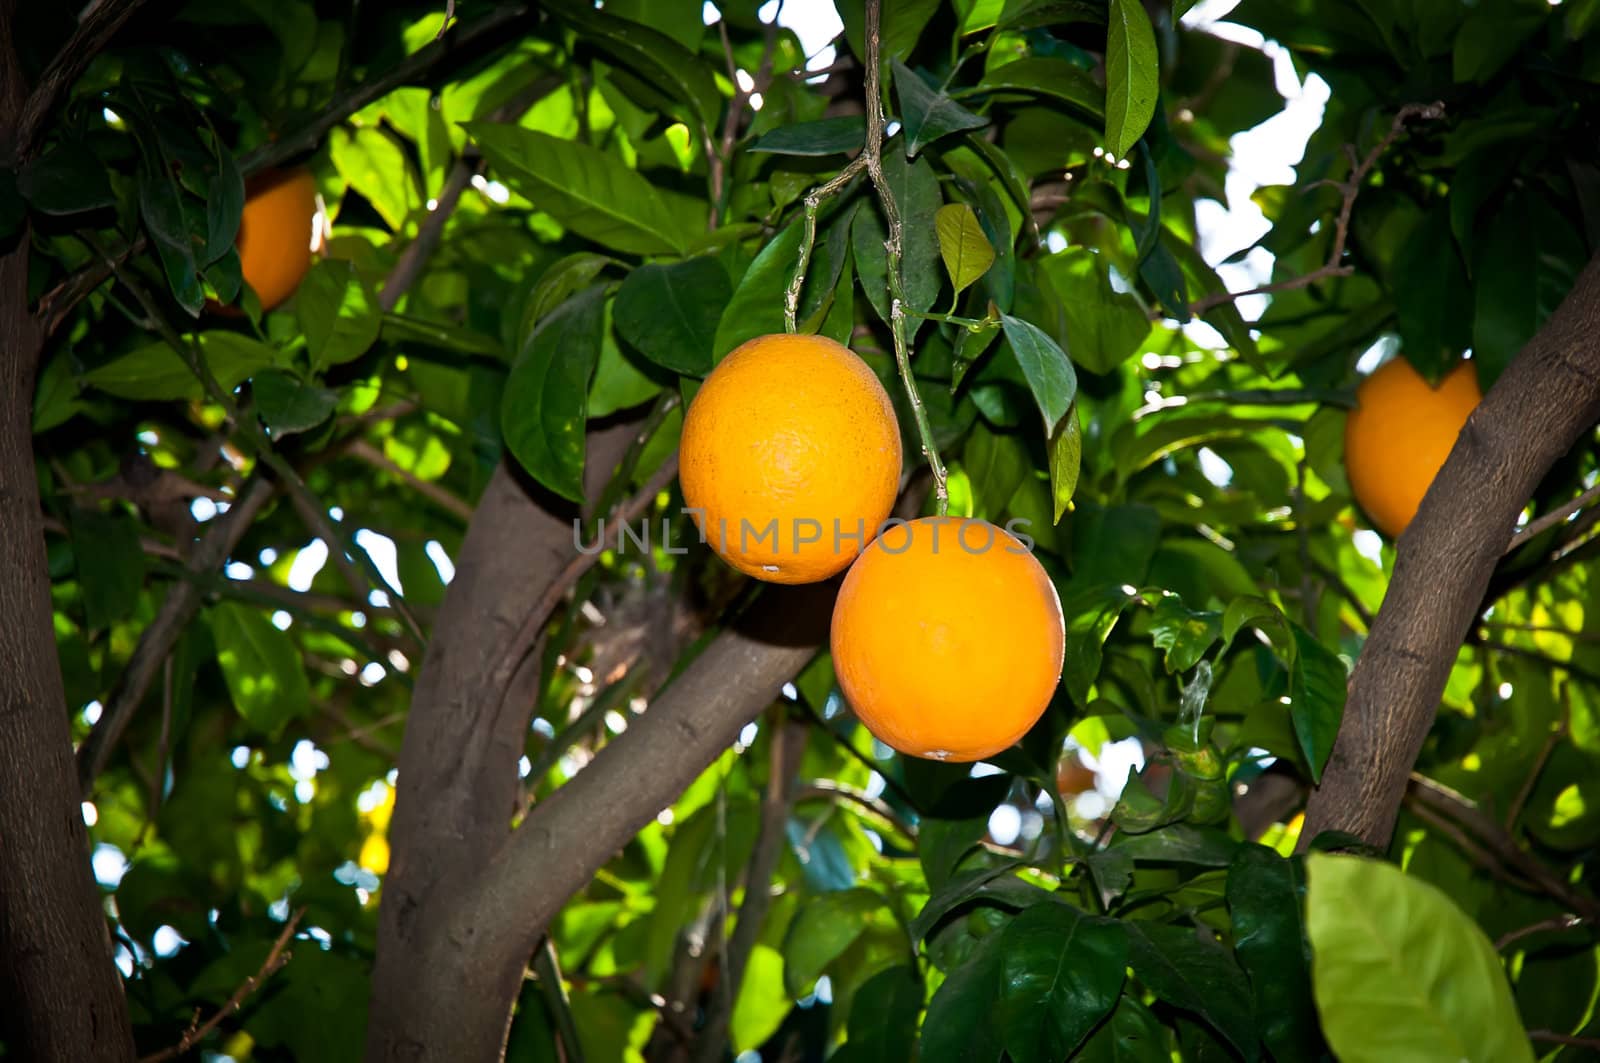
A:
596, 266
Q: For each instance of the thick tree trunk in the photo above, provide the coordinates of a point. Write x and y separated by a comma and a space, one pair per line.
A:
1544, 401
60, 996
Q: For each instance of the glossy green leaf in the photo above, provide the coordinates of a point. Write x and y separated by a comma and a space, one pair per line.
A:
261, 665
589, 191
756, 308
823, 928
670, 313
224, 207
971, 345
1433, 305
1265, 901
288, 404
883, 1018
1044, 76
652, 55
916, 190
339, 315
1061, 973
927, 113
1066, 461
1195, 975
110, 564
763, 1002
1091, 614
825, 136
960, 1021
156, 371
1183, 634
1180, 843
1400, 972
1049, 372
544, 410
966, 251
373, 162
996, 885
1317, 694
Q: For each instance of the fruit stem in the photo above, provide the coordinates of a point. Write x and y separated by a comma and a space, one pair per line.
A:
892, 245
808, 237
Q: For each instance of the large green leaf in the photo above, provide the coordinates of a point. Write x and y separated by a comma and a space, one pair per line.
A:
1066, 461
960, 1022
653, 56
262, 667
373, 162
156, 371
1049, 372
1106, 326
670, 313
1524, 265
1264, 902
288, 403
883, 1018
589, 191
822, 930
756, 308
1432, 296
339, 315
1317, 677
1197, 976
903, 22
927, 113
1061, 973
1046, 76
545, 406
1399, 972
1131, 1035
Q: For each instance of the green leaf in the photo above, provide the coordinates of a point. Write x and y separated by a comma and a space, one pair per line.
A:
587, 190
1317, 692
557, 283
657, 58
1432, 301
926, 113
1045, 76
960, 1022
763, 1003
883, 1018
1179, 843
1049, 373
670, 313
55, 398
1182, 633
1107, 326
622, 379
1196, 976
371, 160
756, 308
224, 207
1032, 14
110, 565
825, 136
261, 665
67, 179
992, 885
1091, 614
1132, 75
1131, 1035
823, 928
966, 251
942, 843
903, 21
970, 346
156, 371
403, 327
916, 190
288, 404
1061, 973
1525, 264
1489, 39
1066, 461
997, 464
544, 409
339, 316
177, 227
1399, 972
1264, 902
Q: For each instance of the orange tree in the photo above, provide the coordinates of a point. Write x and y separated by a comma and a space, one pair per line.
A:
335, 721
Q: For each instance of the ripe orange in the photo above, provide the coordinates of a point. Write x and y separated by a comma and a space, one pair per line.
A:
276, 232
948, 638
791, 457
1399, 435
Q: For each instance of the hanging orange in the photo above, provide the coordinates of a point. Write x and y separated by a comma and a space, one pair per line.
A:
276, 232
948, 638
790, 457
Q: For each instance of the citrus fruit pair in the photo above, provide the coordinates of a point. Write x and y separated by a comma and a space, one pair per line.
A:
948, 635
1399, 435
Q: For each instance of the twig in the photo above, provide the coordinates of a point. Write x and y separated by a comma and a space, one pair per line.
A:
1349, 189
1554, 517
1437, 796
1542, 629
98, 23
182, 601
1338, 584
1518, 802
1560, 922
1564, 1039
517, 650
808, 238
787, 744
1539, 658
270, 966
892, 246
1474, 852
434, 493
719, 159
547, 970
829, 790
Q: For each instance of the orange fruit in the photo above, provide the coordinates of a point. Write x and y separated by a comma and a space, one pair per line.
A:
276, 232
1399, 435
790, 458
948, 638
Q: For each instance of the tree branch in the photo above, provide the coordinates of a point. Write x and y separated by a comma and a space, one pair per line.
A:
98, 23
1551, 519
1349, 189
1542, 403
276, 958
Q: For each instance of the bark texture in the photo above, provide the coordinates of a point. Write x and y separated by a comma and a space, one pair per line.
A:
61, 995
1543, 403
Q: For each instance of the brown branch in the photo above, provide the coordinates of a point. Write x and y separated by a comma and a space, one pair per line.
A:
1545, 400
1564, 1039
1551, 519
221, 538
1520, 800
831, 790
97, 24
788, 743
718, 160
433, 492
1560, 922
275, 960
1349, 189
1471, 849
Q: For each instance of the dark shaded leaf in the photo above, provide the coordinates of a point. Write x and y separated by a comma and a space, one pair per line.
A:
960, 1024
1197, 976
110, 565
1265, 902
544, 410
288, 404
1132, 75
262, 666
670, 313
1061, 973
928, 114
825, 136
